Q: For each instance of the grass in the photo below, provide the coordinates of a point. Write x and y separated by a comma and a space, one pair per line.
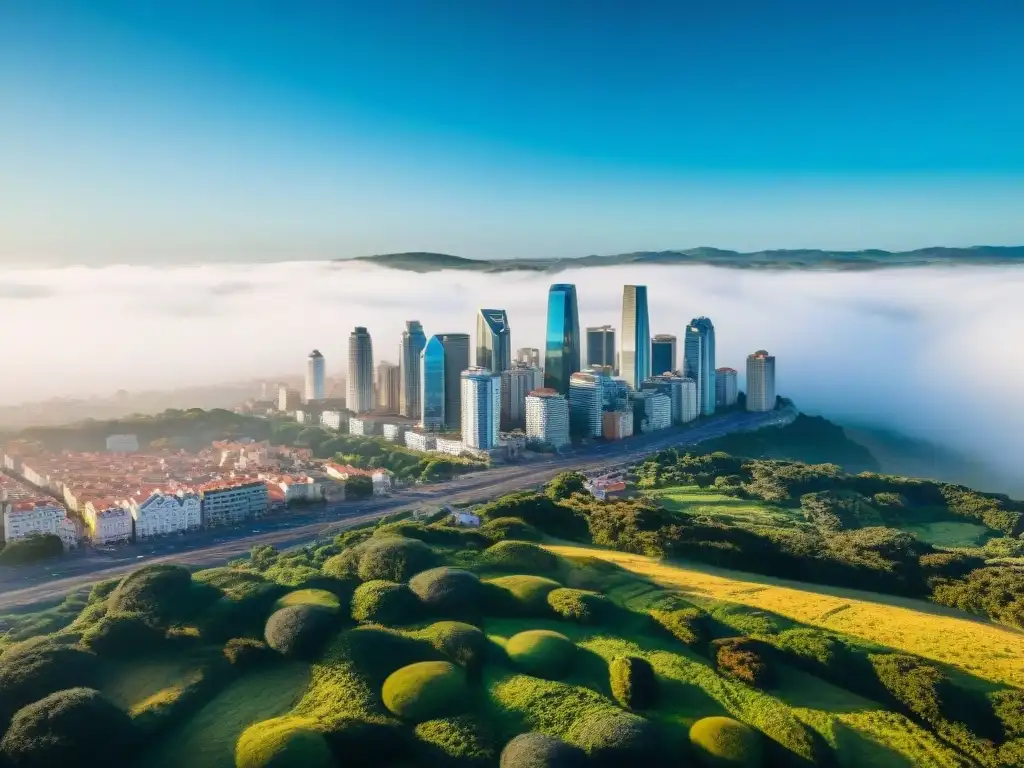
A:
985, 650
531, 592
207, 739
136, 686
541, 652
318, 597
708, 503
425, 690
950, 533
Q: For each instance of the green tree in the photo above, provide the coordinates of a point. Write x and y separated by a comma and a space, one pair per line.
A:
564, 485
358, 487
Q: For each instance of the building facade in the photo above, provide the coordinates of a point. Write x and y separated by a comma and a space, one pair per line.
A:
529, 356
760, 381
726, 390
588, 395
481, 408
663, 354
360, 371
316, 376
601, 349
516, 383
699, 362
413, 342
389, 388
635, 344
418, 440
547, 418
456, 360
364, 426
107, 522
233, 503
451, 446
164, 513
562, 337
657, 410
432, 383
288, 400
493, 340
616, 424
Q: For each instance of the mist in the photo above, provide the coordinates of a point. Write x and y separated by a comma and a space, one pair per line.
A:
935, 353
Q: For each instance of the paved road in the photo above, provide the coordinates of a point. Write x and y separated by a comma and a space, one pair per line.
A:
51, 580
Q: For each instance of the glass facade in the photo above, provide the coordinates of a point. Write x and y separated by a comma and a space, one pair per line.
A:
432, 384
456, 360
699, 362
413, 341
663, 354
493, 340
562, 338
601, 346
635, 354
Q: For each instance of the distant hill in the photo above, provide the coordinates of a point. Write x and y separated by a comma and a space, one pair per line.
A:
764, 260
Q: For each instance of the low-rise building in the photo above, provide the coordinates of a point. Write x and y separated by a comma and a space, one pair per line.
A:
28, 516
361, 425
451, 445
233, 502
163, 513
617, 425
294, 488
106, 522
334, 419
465, 519
381, 478
418, 440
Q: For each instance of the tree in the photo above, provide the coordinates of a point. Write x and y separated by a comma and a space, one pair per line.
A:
564, 485
263, 556
31, 549
358, 487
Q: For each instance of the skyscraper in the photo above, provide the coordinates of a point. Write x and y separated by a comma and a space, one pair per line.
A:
589, 392
562, 338
360, 371
389, 387
529, 355
516, 383
635, 345
432, 384
547, 418
760, 381
493, 340
725, 387
456, 360
601, 346
699, 362
481, 408
411, 350
315, 376
663, 354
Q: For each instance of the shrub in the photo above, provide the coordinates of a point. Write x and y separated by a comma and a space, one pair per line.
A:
530, 593
31, 549
159, 592
721, 742
510, 528
245, 651
283, 742
393, 558
520, 556
1009, 708
912, 684
744, 659
377, 651
385, 602
541, 652
688, 625
425, 690
459, 741
31, 675
565, 484
537, 510
615, 739
123, 634
298, 630
70, 728
239, 611
318, 597
448, 591
464, 644
579, 605
344, 565
633, 682
538, 750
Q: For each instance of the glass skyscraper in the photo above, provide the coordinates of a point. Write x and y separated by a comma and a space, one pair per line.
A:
663, 354
635, 354
456, 360
493, 345
562, 338
432, 384
411, 350
315, 376
360, 371
601, 346
699, 362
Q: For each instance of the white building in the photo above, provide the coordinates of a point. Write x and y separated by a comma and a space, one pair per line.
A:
481, 408
547, 418
315, 376
516, 384
465, 519
725, 387
657, 410
164, 513
452, 446
107, 522
32, 516
332, 419
420, 441
587, 397
688, 401
381, 478
296, 488
233, 502
361, 425
393, 431
123, 443
760, 381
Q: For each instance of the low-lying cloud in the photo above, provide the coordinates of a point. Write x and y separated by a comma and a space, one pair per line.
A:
938, 353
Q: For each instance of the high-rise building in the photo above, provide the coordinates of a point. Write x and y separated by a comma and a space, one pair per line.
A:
635, 344
663, 354
287, 399
389, 387
411, 350
588, 395
601, 347
529, 355
315, 376
360, 371
652, 409
725, 387
699, 362
481, 408
562, 338
547, 417
688, 401
432, 382
760, 381
493, 340
516, 383
456, 360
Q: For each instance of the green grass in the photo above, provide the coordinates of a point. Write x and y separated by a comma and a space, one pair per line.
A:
208, 738
950, 533
531, 592
692, 500
318, 597
139, 685
425, 690
541, 652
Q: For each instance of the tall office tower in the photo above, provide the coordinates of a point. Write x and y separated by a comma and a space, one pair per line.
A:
314, 376
635, 344
588, 394
760, 381
529, 355
360, 371
481, 408
516, 383
699, 362
456, 360
725, 387
663, 354
389, 387
601, 346
562, 339
409, 355
432, 385
688, 401
547, 418
493, 340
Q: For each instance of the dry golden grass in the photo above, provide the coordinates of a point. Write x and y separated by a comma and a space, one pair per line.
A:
982, 649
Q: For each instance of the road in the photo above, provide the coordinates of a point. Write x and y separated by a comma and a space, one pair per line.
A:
52, 580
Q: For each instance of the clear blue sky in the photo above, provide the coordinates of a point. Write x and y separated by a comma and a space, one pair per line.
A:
222, 129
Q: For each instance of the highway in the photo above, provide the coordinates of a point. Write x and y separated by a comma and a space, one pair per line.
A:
50, 581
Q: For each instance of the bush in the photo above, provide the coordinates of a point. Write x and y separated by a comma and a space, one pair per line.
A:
541, 652
385, 602
520, 556
448, 591
614, 739
456, 741
240, 611
538, 750
319, 597
565, 484
158, 592
298, 630
464, 644
529, 593
37, 672
393, 558
688, 625
537, 510
244, 652
633, 682
913, 684
344, 565
1009, 708
744, 659
425, 690
32, 549
579, 605
70, 728
505, 528
721, 742
284, 742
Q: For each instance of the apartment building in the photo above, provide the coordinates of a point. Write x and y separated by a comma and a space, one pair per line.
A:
232, 503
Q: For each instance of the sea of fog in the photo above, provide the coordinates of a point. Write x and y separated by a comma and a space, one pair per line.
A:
936, 353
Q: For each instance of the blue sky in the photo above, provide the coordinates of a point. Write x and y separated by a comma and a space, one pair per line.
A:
231, 130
